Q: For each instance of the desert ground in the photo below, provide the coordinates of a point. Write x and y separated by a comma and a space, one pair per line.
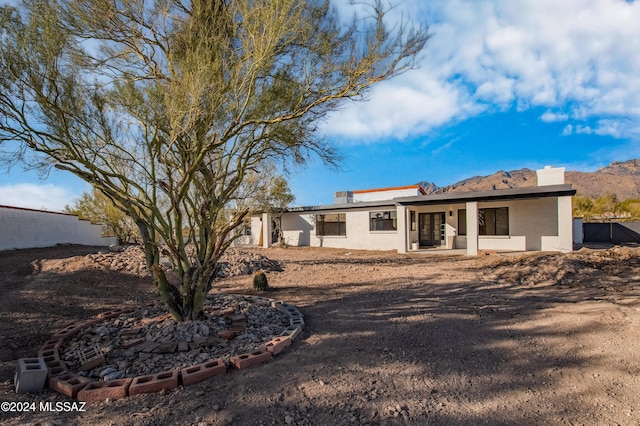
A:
533, 339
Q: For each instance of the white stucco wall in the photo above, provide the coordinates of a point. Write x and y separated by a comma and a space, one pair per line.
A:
24, 228
300, 230
384, 194
536, 224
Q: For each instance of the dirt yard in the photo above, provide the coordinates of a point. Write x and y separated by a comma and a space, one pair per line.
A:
544, 339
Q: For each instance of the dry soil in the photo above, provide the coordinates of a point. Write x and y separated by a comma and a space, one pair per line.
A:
541, 339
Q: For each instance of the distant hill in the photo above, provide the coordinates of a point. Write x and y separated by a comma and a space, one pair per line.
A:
619, 178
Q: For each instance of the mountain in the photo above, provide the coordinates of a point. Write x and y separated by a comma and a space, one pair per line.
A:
619, 178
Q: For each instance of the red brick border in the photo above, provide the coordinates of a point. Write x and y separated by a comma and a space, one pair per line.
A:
82, 388
154, 382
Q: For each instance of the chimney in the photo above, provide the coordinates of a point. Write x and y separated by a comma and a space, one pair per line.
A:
550, 176
343, 197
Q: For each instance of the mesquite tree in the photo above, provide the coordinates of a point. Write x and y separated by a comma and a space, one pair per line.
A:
165, 106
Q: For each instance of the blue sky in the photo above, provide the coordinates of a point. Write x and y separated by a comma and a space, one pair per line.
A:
502, 85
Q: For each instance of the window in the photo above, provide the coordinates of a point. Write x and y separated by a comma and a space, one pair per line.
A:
383, 221
462, 222
494, 221
334, 224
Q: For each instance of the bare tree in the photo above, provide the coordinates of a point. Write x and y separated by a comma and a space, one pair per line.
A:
165, 106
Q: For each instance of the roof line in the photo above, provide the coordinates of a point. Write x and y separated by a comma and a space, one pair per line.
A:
35, 210
393, 188
456, 197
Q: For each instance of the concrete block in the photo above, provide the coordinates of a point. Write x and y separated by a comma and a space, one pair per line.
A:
227, 334
166, 348
49, 355
90, 358
90, 322
159, 318
237, 328
154, 382
30, 376
237, 318
258, 300
227, 312
199, 372
288, 309
292, 331
126, 344
277, 345
51, 345
56, 367
99, 391
110, 314
130, 332
149, 347
296, 322
249, 359
68, 384
204, 342
66, 332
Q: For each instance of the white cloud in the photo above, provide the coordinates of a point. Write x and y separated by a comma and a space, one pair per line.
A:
568, 130
574, 56
552, 117
42, 197
414, 103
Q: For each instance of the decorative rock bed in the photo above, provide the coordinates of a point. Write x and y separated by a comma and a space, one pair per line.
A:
138, 350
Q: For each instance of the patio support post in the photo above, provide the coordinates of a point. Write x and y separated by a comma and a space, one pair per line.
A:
565, 224
402, 228
266, 230
472, 228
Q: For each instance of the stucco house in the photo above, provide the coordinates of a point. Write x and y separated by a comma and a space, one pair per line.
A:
406, 219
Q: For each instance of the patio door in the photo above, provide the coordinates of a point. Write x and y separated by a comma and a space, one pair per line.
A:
431, 227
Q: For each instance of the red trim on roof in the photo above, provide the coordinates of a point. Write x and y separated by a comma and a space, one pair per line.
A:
394, 188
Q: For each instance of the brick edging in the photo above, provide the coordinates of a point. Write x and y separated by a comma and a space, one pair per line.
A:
68, 383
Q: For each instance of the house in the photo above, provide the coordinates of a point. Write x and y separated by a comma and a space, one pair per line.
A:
406, 219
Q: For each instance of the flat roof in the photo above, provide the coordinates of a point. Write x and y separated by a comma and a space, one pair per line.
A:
529, 192
393, 188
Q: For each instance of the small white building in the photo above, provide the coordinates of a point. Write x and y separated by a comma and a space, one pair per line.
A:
405, 219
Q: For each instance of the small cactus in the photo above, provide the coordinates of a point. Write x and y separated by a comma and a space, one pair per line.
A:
260, 281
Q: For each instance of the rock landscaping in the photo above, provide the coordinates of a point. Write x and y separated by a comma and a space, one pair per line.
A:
235, 261
147, 345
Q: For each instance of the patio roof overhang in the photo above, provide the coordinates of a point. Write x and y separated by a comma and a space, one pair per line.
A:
494, 195
530, 192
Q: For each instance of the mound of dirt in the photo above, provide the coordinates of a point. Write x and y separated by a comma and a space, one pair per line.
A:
583, 267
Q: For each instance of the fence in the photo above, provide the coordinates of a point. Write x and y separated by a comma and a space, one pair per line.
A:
26, 228
613, 232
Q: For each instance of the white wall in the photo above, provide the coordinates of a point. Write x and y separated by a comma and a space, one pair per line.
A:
24, 228
299, 229
388, 194
537, 224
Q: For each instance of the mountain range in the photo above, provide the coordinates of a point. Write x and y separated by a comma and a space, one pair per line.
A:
619, 178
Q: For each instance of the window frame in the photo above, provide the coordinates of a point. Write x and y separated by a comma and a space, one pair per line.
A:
341, 225
392, 217
462, 221
491, 222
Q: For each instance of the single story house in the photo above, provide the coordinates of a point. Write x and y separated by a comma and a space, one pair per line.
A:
537, 218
